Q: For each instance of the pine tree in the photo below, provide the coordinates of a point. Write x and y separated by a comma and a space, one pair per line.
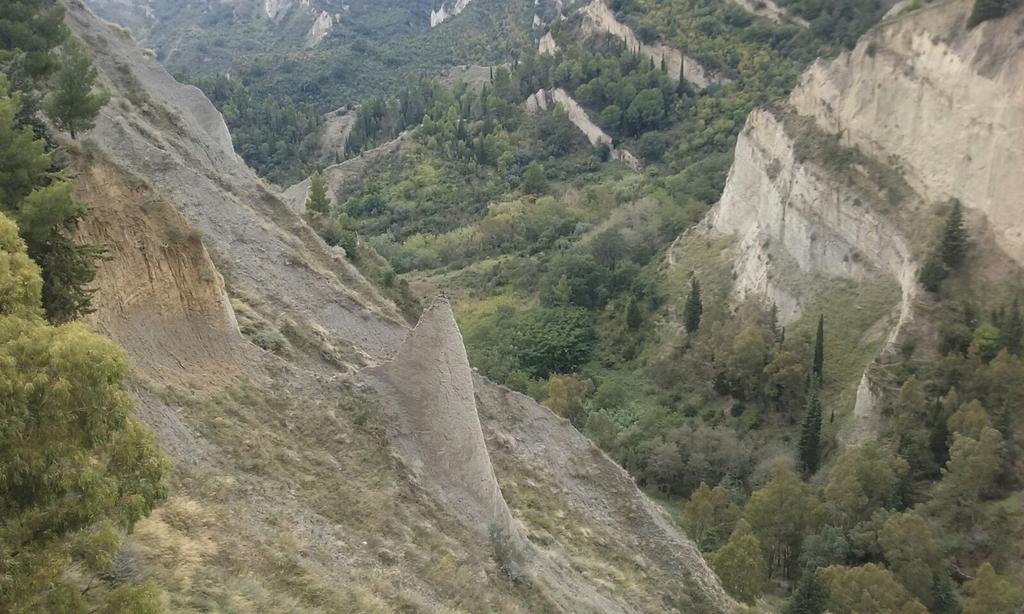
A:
818, 367
954, 238
72, 104
43, 207
694, 307
535, 180
810, 433
318, 201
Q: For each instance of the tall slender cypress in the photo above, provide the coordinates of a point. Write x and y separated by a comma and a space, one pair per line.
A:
1013, 329
810, 432
818, 369
694, 307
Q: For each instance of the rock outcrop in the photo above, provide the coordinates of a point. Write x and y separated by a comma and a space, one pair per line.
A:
163, 298
542, 100
447, 10
427, 393
769, 9
943, 102
598, 18
834, 182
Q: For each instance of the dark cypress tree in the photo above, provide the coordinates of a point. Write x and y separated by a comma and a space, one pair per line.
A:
932, 273
1013, 329
954, 238
694, 308
810, 432
986, 9
773, 323
818, 367
811, 595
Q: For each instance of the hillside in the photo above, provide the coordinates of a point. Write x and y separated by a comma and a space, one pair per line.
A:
296, 487
512, 306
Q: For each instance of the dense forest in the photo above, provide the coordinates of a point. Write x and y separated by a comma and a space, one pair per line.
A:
77, 468
554, 252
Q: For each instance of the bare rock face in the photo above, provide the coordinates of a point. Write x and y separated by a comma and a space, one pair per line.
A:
945, 103
447, 10
928, 111
162, 297
820, 223
434, 405
173, 137
427, 393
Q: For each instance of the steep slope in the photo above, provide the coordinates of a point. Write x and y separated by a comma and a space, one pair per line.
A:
945, 103
267, 252
835, 182
598, 18
289, 493
579, 118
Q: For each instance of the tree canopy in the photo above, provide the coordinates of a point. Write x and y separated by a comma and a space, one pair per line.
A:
77, 468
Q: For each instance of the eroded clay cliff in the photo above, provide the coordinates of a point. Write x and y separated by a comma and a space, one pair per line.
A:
836, 181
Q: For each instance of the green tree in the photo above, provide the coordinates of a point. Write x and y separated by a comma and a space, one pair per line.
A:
740, 566
694, 307
913, 555
932, 273
646, 111
868, 588
43, 207
535, 181
780, 514
77, 468
1013, 329
972, 471
987, 340
72, 103
318, 202
23, 158
987, 9
818, 366
991, 593
30, 29
749, 350
865, 479
786, 383
709, 515
810, 433
811, 595
955, 241
970, 420
567, 396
